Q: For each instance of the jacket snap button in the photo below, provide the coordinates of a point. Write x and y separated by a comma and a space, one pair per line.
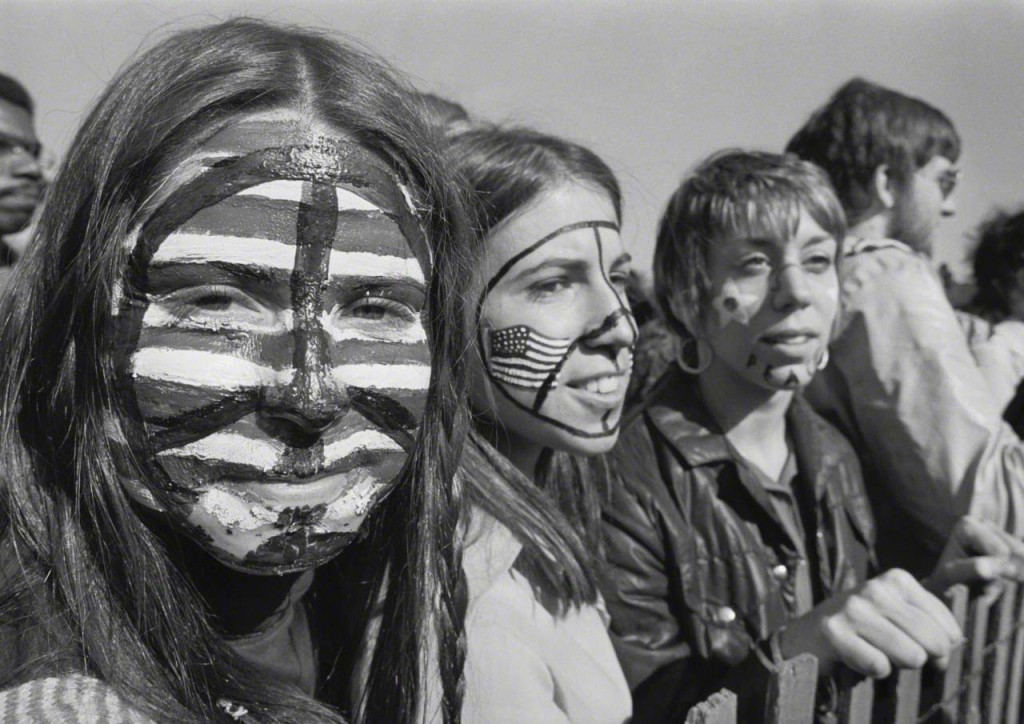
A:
780, 572
723, 615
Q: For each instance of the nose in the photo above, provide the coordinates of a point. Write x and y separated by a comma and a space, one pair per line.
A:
791, 290
948, 206
613, 326
313, 400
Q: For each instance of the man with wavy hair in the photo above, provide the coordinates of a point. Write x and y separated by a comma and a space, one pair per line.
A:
902, 382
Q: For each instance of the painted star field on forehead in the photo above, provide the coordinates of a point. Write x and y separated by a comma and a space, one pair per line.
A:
272, 346
522, 358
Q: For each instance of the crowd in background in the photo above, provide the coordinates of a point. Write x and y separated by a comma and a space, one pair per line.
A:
325, 400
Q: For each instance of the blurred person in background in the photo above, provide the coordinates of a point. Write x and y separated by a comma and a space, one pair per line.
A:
21, 174
903, 384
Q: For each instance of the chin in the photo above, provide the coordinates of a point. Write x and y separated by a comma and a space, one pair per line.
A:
592, 443
279, 554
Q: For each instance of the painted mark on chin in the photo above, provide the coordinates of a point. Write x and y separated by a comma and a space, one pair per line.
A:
304, 517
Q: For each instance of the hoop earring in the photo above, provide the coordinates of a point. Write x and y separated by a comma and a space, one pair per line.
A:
823, 362
703, 352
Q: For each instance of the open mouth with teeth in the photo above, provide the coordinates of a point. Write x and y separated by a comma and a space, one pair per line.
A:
600, 385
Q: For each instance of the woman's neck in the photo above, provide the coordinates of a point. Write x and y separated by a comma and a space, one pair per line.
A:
752, 417
522, 453
238, 602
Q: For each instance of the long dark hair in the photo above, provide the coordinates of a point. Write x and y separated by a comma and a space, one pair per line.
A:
504, 169
84, 583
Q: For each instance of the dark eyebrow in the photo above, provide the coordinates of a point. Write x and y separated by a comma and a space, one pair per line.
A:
564, 262
823, 239
623, 259
225, 271
756, 241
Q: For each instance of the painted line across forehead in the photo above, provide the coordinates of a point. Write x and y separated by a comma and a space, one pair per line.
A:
607, 324
265, 253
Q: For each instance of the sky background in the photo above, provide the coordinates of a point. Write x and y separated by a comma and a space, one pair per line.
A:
652, 86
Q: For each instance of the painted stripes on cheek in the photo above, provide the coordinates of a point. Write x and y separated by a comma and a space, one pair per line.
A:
267, 453
200, 368
276, 349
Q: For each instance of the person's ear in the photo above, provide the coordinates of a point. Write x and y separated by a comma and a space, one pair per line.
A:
883, 187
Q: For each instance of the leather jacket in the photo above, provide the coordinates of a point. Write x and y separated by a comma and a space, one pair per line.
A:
701, 568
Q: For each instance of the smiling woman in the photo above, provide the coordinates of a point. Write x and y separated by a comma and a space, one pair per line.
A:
550, 370
218, 368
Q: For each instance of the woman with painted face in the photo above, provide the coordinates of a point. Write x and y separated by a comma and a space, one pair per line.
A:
218, 366
554, 348
739, 533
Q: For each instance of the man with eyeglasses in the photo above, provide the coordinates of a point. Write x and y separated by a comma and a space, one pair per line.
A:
21, 177
902, 382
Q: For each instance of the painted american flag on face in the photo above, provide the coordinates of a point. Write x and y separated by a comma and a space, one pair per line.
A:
523, 357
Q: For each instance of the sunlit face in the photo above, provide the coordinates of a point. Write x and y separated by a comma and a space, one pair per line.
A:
554, 328
922, 203
21, 177
773, 304
272, 343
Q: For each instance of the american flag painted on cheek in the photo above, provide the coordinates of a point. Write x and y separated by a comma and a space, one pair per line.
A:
523, 357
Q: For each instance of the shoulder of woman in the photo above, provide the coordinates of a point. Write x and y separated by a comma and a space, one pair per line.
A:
490, 551
69, 699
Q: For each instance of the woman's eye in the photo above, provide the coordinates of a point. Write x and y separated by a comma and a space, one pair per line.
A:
755, 264
818, 263
619, 279
379, 308
213, 300
547, 287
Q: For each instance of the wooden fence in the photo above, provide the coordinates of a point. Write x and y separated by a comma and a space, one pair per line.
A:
981, 685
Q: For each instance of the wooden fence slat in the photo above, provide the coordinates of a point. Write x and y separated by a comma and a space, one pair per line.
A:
856, 697
999, 670
908, 696
956, 598
977, 632
1016, 679
719, 708
792, 691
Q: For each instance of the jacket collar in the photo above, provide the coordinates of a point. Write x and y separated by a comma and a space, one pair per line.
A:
677, 411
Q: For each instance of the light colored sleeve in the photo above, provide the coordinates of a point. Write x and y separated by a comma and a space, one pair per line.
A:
1001, 360
918, 400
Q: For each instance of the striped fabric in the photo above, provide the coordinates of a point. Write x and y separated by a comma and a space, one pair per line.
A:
74, 699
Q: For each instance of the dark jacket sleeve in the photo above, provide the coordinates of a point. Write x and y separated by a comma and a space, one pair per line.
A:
651, 624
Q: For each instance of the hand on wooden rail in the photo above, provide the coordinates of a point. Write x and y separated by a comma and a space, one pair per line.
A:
978, 553
888, 622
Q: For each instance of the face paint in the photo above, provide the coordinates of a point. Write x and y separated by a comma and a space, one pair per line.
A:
774, 304
271, 345
555, 331
523, 357
735, 305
